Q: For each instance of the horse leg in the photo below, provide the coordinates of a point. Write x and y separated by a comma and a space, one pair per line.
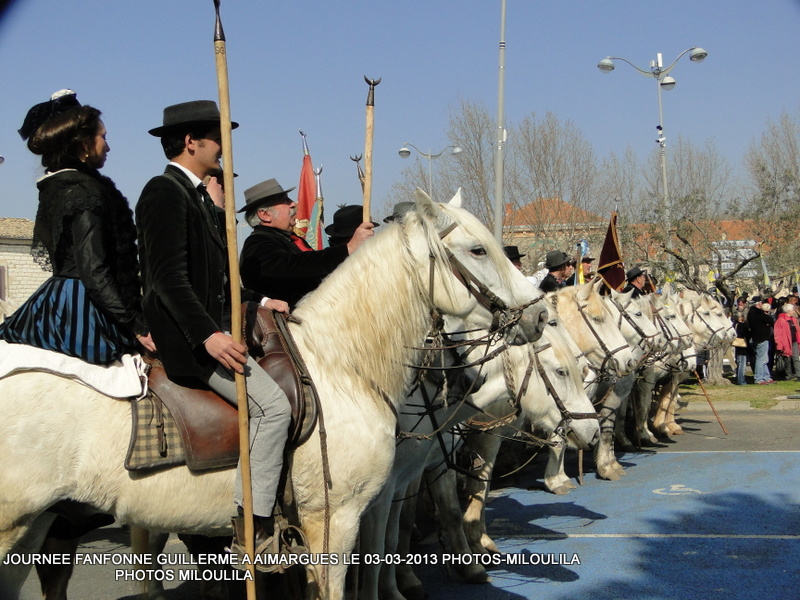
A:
373, 541
669, 421
25, 539
624, 414
555, 476
54, 579
643, 394
605, 461
445, 496
477, 492
407, 582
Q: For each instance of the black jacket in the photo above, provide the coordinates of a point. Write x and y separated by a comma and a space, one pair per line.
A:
273, 265
184, 273
760, 324
87, 228
549, 284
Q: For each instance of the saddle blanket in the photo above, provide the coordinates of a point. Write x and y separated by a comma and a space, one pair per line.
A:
124, 378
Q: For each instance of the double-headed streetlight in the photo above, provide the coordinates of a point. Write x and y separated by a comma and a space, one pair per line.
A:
663, 81
404, 152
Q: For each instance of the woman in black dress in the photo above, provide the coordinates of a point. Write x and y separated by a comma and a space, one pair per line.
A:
91, 307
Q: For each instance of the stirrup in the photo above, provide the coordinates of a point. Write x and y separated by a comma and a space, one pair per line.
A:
271, 555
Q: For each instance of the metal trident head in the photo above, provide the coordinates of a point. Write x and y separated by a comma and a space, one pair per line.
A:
371, 95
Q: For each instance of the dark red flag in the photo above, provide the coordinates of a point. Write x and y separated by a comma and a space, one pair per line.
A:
610, 267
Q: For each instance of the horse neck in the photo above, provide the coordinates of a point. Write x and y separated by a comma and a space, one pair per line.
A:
366, 320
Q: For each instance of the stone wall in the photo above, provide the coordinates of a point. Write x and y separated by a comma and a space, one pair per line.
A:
22, 275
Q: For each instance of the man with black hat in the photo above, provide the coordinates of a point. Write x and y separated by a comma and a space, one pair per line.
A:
187, 302
636, 281
346, 222
513, 254
276, 262
556, 263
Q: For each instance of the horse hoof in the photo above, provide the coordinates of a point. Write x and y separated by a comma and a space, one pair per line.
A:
473, 574
561, 490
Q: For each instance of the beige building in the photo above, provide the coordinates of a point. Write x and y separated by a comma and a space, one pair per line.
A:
20, 276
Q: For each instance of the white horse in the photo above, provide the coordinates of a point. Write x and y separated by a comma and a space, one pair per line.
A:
711, 328
559, 380
535, 404
665, 372
636, 323
594, 328
357, 333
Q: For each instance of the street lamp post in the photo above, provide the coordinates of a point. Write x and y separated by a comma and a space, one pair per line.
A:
404, 152
663, 81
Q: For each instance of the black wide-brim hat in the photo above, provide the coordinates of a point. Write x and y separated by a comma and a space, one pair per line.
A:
512, 252
555, 259
196, 112
346, 220
263, 194
633, 273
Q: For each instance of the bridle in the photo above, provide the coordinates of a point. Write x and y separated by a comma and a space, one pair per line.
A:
646, 342
567, 416
503, 316
610, 366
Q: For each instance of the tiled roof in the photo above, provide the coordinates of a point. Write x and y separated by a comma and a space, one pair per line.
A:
16, 229
550, 212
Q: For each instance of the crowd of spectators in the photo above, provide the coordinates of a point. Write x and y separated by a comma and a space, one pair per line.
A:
768, 338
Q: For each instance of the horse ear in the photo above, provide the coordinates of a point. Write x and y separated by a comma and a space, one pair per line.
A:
430, 211
456, 200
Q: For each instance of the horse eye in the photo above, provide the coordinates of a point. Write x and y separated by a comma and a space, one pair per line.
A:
597, 319
638, 314
561, 371
479, 251
553, 323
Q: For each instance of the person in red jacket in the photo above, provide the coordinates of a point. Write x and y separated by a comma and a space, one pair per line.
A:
787, 338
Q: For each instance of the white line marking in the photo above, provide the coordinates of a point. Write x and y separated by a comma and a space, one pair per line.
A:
663, 535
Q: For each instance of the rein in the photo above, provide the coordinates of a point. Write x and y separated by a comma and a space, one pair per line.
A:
566, 415
646, 342
604, 371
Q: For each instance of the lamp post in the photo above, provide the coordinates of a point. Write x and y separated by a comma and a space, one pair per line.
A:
663, 81
404, 152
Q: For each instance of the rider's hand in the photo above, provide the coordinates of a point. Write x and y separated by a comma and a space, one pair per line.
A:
224, 349
361, 234
277, 305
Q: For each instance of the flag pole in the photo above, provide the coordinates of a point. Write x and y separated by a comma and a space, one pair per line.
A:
368, 146
236, 295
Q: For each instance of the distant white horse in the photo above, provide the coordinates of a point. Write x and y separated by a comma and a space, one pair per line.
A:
358, 333
711, 328
559, 380
595, 329
507, 386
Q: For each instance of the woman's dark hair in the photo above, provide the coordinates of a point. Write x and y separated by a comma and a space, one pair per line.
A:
63, 140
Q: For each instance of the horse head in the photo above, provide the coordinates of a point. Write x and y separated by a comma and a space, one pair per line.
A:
566, 407
582, 309
706, 318
634, 317
467, 274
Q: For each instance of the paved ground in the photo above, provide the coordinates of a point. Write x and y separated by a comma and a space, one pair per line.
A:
708, 516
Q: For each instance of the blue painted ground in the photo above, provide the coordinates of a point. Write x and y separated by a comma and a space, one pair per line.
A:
679, 526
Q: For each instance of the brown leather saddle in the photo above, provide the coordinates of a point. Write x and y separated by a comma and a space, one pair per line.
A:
207, 424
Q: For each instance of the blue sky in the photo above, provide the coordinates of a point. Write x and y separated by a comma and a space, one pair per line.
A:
300, 65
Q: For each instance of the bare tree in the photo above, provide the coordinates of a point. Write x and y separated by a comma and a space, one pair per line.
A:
773, 167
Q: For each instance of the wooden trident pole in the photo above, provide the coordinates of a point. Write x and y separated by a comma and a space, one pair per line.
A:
236, 295
367, 184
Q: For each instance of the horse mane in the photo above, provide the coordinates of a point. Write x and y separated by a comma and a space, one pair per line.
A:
365, 319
